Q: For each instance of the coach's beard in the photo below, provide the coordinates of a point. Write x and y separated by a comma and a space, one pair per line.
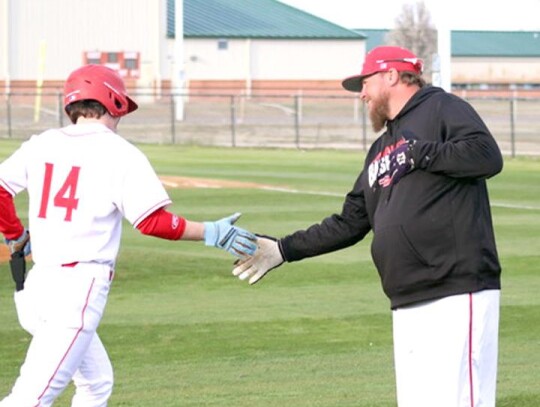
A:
378, 114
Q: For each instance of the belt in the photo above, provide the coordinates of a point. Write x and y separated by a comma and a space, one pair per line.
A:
111, 272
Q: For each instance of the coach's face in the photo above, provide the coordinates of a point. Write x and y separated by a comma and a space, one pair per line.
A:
375, 94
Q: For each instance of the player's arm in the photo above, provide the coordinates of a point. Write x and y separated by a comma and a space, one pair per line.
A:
13, 179
10, 224
16, 237
222, 234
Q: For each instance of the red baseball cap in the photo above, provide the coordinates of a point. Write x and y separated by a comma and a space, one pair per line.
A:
382, 59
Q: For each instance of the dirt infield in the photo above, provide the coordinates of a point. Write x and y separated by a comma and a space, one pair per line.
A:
175, 182
187, 182
4, 253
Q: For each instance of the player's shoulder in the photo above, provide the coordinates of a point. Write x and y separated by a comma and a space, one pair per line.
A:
38, 140
122, 151
127, 146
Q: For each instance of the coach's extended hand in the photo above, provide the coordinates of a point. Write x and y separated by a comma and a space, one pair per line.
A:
267, 257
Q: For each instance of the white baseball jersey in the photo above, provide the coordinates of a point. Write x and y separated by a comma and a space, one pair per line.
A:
81, 180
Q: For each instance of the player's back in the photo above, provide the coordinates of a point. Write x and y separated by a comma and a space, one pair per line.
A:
76, 185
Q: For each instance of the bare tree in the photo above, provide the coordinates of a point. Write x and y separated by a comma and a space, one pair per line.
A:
415, 30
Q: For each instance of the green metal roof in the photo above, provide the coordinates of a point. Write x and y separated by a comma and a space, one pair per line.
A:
252, 19
496, 43
477, 43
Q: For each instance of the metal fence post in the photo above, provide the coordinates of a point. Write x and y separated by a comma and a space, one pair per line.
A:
8, 106
173, 119
297, 120
513, 105
364, 127
355, 110
60, 109
233, 120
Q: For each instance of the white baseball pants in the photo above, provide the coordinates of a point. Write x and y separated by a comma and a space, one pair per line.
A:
62, 307
446, 350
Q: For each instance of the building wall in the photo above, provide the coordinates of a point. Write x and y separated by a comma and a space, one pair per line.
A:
497, 70
65, 29
306, 59
261, 59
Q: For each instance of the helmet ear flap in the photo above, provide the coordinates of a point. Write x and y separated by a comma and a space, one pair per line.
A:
118, 104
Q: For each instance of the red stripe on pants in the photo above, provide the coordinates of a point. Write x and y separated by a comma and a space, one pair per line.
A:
471, 390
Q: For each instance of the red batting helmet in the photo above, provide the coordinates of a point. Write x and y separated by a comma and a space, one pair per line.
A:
382, 59
97, 82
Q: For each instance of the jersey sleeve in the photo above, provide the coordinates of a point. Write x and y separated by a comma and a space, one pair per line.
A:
140, 190
13, 171
10, 225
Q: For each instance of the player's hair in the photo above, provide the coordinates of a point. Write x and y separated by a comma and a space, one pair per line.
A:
85, 108
412, 78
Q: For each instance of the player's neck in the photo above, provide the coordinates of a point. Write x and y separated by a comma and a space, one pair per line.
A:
107, 120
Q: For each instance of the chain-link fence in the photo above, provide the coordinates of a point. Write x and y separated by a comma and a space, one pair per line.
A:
295, 121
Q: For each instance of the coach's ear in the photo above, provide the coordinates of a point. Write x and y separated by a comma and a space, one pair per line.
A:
392, 76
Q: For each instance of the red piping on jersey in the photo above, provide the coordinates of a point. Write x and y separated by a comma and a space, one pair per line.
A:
471, 389
71, 345
10, 225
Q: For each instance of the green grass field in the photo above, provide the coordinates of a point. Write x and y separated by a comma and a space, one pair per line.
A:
182, 331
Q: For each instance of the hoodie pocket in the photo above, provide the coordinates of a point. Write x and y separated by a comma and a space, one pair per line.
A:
409, 260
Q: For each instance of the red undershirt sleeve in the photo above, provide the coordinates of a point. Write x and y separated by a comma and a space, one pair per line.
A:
10, 224
163, 224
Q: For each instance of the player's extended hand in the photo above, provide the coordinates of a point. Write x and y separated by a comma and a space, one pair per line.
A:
401, 162
224, 235
267, 257
22, 243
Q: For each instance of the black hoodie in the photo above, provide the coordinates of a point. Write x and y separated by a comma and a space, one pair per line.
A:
432, 231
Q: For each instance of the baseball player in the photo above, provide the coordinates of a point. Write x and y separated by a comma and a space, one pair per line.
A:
422, 192
82, 180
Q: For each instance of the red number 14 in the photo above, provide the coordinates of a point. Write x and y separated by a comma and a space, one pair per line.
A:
65, 197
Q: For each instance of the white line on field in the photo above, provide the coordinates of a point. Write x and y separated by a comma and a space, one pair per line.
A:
512, 206
325, 193
297, 191
170, 184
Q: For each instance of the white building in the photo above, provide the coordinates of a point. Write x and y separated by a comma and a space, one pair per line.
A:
229, 44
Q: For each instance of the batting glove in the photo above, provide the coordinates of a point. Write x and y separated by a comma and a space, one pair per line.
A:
224, 235
401, 161
22, 243
267, 257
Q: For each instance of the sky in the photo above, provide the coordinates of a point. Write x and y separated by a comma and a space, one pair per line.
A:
514, 15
